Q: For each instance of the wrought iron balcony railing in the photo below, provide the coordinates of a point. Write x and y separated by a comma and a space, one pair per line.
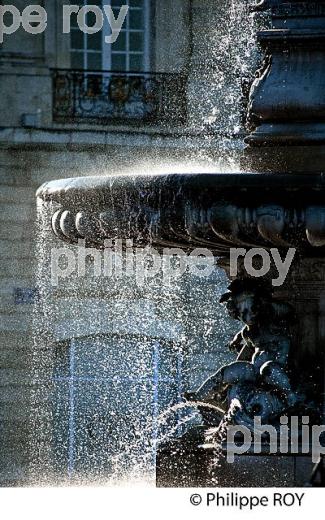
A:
118, 97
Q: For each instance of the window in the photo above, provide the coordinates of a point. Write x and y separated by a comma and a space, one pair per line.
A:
129, 53
86, 49
108, 394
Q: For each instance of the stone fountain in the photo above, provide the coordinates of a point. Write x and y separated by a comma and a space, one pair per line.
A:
278, 206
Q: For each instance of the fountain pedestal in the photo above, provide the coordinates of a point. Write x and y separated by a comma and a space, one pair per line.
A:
286, 121
247, 470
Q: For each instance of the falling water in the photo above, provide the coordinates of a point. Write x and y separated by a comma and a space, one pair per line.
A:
164, 430
215, 438
99, 376
106, 386
229, 71
105, 391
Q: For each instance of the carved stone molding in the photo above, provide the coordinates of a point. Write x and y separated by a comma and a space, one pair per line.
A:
220, 227
293, 8
214, 211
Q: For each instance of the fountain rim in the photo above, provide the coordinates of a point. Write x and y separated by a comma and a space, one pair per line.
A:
67, 190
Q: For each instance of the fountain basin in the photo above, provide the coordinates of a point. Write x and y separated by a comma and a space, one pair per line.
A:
218, 211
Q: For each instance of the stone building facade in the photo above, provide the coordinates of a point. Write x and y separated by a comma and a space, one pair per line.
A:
69, 107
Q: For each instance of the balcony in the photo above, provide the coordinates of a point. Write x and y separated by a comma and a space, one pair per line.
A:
93, 97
